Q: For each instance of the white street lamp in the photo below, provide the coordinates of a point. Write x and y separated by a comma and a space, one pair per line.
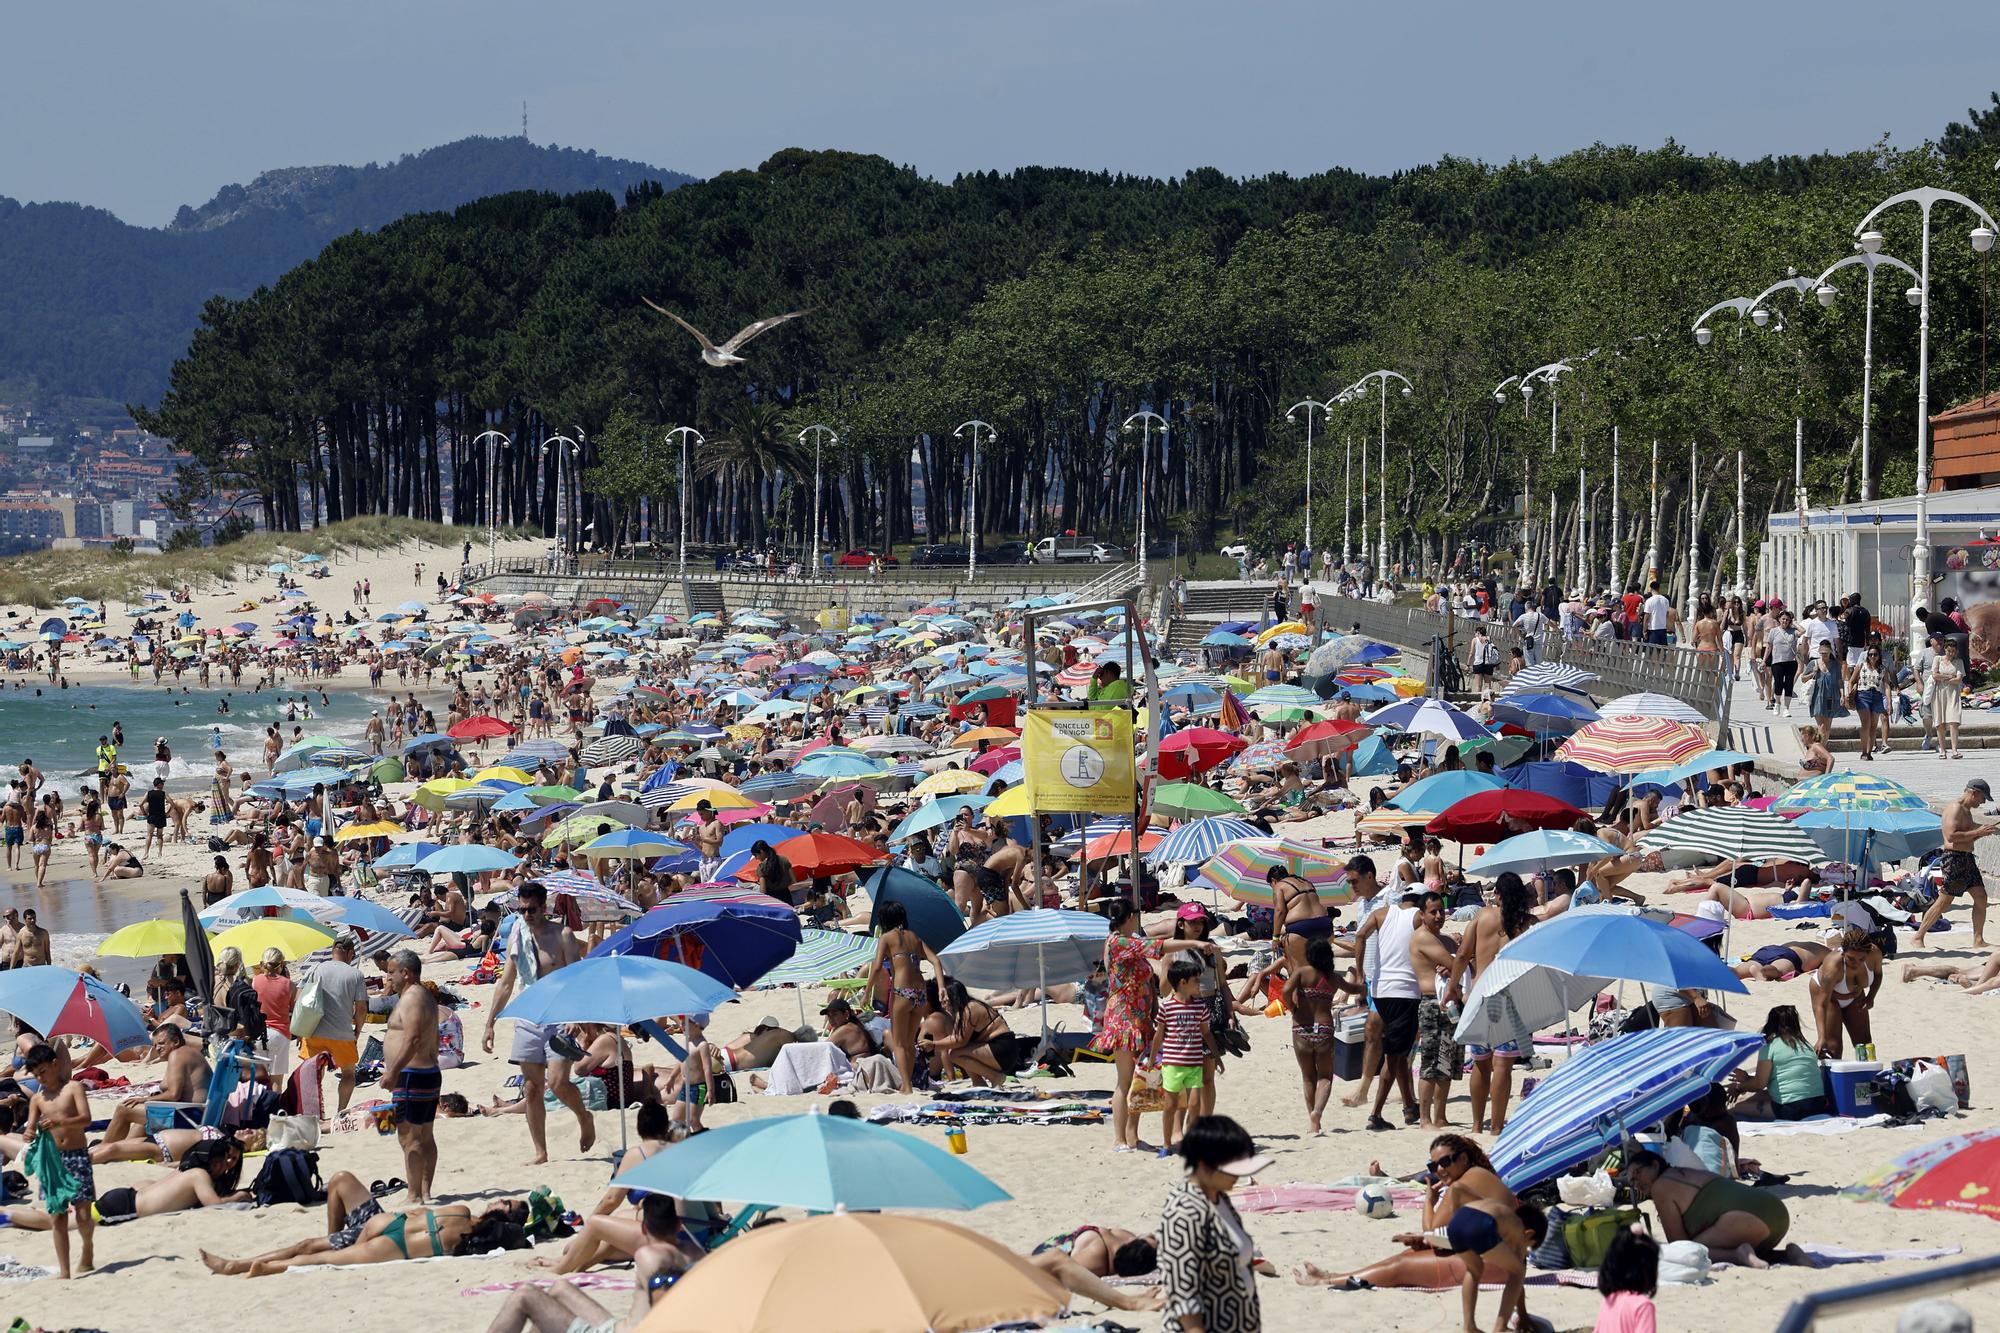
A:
821, 434
1527, 488
1826, 292
1147, 420
1382, 464
1292, 415
972, 495
562, 510
492, 487
684, 434
1871, 242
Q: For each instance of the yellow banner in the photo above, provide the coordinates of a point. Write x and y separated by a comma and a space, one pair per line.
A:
1078, 761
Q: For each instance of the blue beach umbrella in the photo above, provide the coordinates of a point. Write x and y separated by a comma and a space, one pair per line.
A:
470, 859
406, 855
1855, 836
1040, 947
741, 940
937, 813
1614, 941
364, 915
821, 1162
1444, 790
1429, 717
1199, 840
1612, 1089
1542, 850
619, 990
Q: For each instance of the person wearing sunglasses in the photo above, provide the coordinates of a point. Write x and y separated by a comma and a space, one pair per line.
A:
1456, 1174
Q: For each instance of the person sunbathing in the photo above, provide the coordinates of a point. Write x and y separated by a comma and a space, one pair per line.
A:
209, 1184
165, 1146
1483, 1234
561, 1308
361, 1234
1458, 1174
1977, 978
1083, 1258
1782, 962
608, 1238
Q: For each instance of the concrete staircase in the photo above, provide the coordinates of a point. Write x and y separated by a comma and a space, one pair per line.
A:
699, 595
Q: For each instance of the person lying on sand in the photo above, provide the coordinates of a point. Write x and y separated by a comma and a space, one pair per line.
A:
166, 1146
1977, 978
608, 1238
1458, 1174
1781, 962
1083, 1258
208, 1184
359, 1231
561, 1308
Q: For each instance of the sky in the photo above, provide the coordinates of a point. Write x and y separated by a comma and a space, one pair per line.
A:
141, 107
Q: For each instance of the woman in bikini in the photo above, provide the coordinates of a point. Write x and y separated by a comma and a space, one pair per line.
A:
965, 1045
1297, 914
1843, 988
360, 1232
896, 983
1459, 1174
1782, 962
1309, 996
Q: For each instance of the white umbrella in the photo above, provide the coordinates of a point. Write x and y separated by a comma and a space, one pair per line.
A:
1648, 704
1513, 1000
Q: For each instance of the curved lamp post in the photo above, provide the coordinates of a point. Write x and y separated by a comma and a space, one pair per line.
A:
684, 434
562, 510
972, 494
1925, 197
821, 435
1382, 463
506, 441
1147, 420
1292, 415
1824, 289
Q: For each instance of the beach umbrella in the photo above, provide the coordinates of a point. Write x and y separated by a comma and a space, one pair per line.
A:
779, 786
584, 886
406, 855
1200, 839
1191, 800
815, 854
1734, 832
1040, 947
630, 844
1513, 1000
1242, 870
361, 914
1549, 676
1609, 1091
1860, 837
1326, 738
478, 727
1194, 750
1117, 842
145, 939
381, 828
1690, 768
1648, 704
1506, 750
1960, 1174
1602, 940
837, 764
610, 750
1282, 696
1427, 717
467, 859
814, 1161
293, 939
1541, 851
199, 955
934, 917
58, 1002
844, 1272
721, 798
1441, 791
936, 814
1849, 789
1633, 744
733, 941
821, 954
949, 782
1543, 712
300, 782
1489, 816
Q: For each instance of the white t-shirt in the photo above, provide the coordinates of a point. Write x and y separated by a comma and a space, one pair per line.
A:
1530, 622
1656, 608
1395, 976
1821, 630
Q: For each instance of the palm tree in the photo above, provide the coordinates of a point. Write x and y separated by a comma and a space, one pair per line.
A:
753, 455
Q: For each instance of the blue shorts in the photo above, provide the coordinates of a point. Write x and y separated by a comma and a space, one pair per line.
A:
15, 837
1507, 1048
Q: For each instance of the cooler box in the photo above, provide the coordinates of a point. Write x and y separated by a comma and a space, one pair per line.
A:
1350, 1042
173, 1115
1850, 1085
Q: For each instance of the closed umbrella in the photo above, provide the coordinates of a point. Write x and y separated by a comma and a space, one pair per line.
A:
857, 1273
820, 1162
1040, 947
1602, 940
1609, 1091
200, 957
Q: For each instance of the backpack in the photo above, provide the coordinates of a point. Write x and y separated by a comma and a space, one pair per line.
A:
244, 1010
289, 1175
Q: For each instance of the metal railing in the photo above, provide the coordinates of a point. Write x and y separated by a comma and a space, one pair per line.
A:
595, 567
1622, 666
1805, 1312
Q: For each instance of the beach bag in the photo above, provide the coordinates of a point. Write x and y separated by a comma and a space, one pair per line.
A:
451, 1040
292, 1131
289, 1175
1684, 1263
1931, 1089
1587, 1236
1145, 1094
1954, 1069
307, 1009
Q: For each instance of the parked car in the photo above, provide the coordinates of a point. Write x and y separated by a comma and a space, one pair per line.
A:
861, 556
1237, 551
1104, 553
937, 555
1063, 550
1007, 553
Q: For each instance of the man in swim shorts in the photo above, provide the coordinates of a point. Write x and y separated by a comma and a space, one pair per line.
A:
410, 1071
1957, 865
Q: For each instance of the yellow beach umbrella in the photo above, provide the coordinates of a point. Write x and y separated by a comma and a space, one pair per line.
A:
722, 798
1404, 686
950, 782
381, 828
431, 795
293, 939
145, 939
503, 773
1009, 804
744, 731
1284, 627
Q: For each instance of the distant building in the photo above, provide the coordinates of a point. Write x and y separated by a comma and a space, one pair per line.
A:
1965, 445
38, 518
35, 444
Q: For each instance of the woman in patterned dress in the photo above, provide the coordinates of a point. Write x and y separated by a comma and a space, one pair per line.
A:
1128, 961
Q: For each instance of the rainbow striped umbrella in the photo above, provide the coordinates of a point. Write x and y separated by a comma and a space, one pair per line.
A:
1242, 870
1850, 791
1633, 744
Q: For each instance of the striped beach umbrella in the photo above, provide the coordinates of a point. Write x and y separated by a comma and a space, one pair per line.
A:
1648, 704
610, 750
1612, 1089
1242, 870
1040, 947
1850, 790
1550, 676
1633, 744
821, 955
1736, 832
1960, 1174
1200, 839
1282, 695
1427, 717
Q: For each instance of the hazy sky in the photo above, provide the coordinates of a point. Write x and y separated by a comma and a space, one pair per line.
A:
140, 107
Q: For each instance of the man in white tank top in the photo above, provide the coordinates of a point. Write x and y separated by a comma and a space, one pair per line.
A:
1393, 993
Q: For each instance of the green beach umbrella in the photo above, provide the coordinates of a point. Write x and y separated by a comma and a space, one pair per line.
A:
1191, 800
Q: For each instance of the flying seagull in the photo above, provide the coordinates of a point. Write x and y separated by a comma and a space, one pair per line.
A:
725, 355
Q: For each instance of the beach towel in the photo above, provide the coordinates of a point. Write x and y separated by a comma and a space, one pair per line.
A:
802, 1066
1821, 1124
587, 1280
944, 1114
13, 1270
1308, 1198
43, 1164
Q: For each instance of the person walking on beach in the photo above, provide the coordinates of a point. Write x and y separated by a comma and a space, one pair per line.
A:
155, 808
1959, 867
14, 817
60, 1109
343, 1008
410, 1071
536, 948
